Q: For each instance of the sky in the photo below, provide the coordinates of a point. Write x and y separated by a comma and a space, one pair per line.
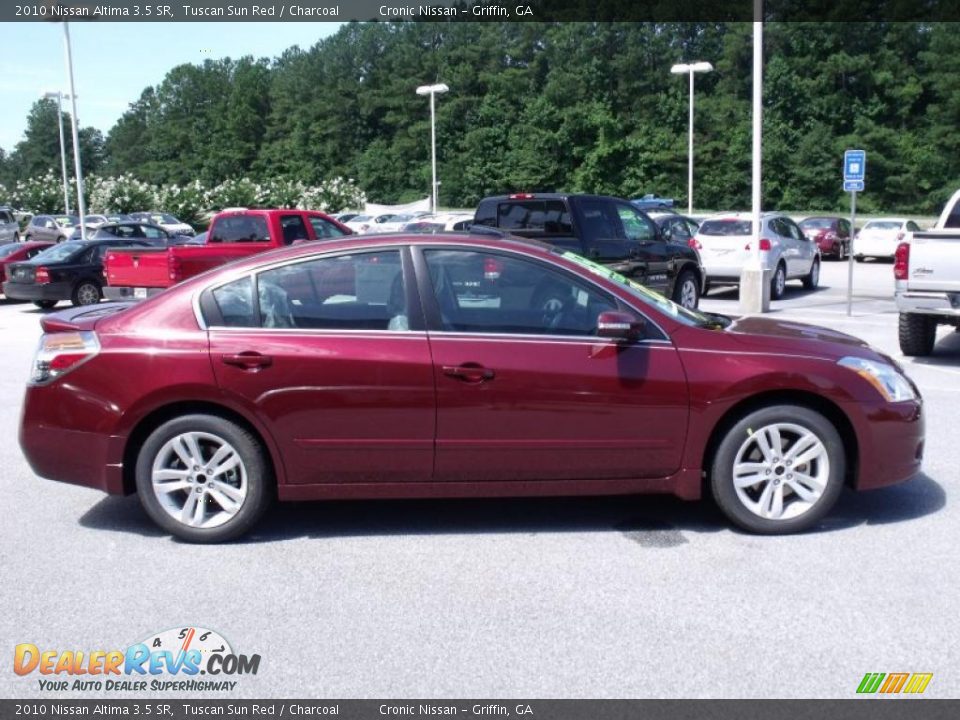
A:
114, 62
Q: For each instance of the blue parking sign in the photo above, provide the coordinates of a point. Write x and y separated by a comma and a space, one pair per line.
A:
854, 167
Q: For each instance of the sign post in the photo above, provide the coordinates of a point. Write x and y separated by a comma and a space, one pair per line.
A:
854, 171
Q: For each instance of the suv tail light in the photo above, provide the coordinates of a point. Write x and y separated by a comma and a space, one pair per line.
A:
492, 268
901, 262
59, 353
695, 244
42, 275
174, 268
765, 244
522, 196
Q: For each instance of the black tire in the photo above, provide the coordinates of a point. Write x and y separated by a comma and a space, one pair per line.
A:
254, 465
26, 238
687, 286
778, 282
707, 287
44, 304
16, 237
859, 258
917, 334
812, 279
741, 434
87, 292
841, 251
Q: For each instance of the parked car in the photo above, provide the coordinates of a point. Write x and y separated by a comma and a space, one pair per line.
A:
233, 234
13, 252
71, 270
9, 226
606, 229
95, 221
50, 228
397, 222
879, 238
831, 234
724, 244
369, 223
165, 220
344, 217
119, 217
359, 369
652, 201
926, 274
447, 222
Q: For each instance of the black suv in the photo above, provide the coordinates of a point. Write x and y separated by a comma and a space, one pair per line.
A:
607, 230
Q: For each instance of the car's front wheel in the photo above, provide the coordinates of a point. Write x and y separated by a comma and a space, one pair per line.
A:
203, 478
44, 304
778, 283
86, 293
812, 279
778, 470
686, 291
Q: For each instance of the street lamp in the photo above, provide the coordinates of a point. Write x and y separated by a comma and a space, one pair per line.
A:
76, 134
690, 69
63, 150
433, 90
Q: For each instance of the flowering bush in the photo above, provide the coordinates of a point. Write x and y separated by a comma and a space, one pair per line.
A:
41, 194
121, 194
334, 195
187, 202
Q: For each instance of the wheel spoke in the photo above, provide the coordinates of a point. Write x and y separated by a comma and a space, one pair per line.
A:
170, 474
764, 444
183, 452
802, 490
226, 504
743, 481
234, 494
189, 508
801, 445
229, 463
171, 486
811, 454
771, 501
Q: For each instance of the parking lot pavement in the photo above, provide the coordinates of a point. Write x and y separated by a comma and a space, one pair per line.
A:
614, 597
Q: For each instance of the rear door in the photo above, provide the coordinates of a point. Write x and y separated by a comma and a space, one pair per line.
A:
527, 393
330, 352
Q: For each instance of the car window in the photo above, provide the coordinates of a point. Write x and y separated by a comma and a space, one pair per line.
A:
33, 251
235, 303
726, 227
324, 228
154, 233
680, 230
549, 217
293, 229
912, 226
240, 228
793, 229
479, 292
359, 291
636, 227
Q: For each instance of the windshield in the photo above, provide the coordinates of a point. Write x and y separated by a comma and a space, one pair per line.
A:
883, 225
94, 218
817, 224
726, 227
360, 218
66, 220
164, 219
649, 297
63, 251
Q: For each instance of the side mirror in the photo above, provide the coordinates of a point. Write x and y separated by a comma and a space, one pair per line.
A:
619, 325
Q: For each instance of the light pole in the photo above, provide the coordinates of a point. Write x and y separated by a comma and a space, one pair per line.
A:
690, 69
63, 150
76, 134
432, 91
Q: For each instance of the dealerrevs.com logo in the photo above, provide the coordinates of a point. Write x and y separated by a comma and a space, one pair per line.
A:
187, 659
894, 683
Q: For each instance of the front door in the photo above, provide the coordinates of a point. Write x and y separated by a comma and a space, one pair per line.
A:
528, 392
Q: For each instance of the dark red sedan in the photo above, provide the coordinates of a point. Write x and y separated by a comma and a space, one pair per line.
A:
399, 366
831, 234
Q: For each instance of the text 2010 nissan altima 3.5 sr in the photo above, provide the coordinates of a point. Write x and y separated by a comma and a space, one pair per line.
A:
455, 366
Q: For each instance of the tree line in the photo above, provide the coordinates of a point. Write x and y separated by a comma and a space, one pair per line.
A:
563, 106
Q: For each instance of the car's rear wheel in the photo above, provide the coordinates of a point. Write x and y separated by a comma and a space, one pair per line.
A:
917, 334
44, 304
778, 470
841, 250
203, 478
812, 279
859, 258
86, 293
686, 291
778, 283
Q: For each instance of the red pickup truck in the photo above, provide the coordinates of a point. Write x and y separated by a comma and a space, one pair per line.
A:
233, 234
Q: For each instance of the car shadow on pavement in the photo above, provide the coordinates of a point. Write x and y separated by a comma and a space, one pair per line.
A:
945, 352
651, 521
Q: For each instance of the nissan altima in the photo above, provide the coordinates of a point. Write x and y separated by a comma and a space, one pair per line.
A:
401, 366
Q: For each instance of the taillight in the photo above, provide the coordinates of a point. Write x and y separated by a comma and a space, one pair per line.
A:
174, 268
830, 236
765, 244
901, 262
492, 268
695, 244
41, 276
522, 196
60, 353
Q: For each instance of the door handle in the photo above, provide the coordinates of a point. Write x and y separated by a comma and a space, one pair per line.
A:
248, 360
469, 372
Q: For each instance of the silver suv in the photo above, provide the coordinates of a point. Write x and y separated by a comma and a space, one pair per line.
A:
9, 227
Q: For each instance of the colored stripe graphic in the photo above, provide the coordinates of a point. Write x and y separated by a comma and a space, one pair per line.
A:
918, 683
894, 682
870, 682
913, 683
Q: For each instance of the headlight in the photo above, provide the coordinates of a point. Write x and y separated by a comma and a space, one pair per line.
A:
888, 381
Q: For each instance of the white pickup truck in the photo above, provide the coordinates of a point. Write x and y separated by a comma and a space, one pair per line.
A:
927, 274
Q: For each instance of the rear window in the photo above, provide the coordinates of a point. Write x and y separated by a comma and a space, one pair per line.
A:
240, 228
953, 219
63, 251
549, 217
726, 227
882, 225
817, 224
